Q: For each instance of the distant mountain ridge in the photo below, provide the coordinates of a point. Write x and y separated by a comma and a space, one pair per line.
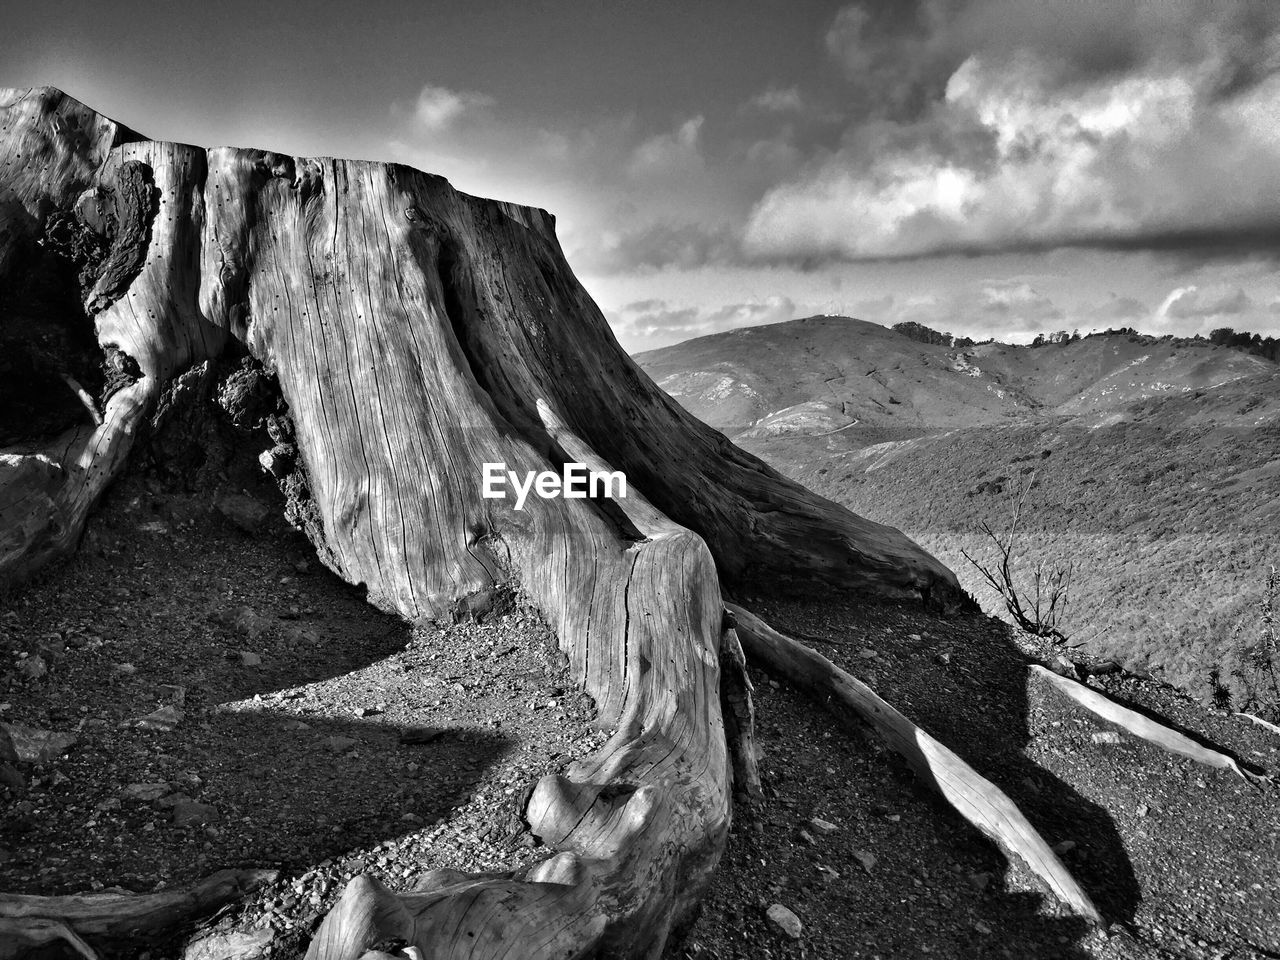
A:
1150, 464
824, 374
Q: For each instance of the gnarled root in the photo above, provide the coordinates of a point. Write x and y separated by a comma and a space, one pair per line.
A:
1143, 726
27, 922
974, 797
739, 717
1259, 721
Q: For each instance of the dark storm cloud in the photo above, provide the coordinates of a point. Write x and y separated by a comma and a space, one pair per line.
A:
653, 246
999, 125
904, 51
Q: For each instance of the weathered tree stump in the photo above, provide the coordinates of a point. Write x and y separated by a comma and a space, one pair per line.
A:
415, 334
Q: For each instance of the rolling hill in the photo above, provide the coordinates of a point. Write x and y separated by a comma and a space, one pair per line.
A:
1152, 465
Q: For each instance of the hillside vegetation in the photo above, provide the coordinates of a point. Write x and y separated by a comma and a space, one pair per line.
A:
828, 373
1153, 467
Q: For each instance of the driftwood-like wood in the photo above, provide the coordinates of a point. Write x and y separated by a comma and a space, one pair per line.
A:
974, 797
415, 334
28, 922
1140, 725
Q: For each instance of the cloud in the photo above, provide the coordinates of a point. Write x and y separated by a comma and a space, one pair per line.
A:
438, 108
1195, 303
1115, 309
1010, 310
1076, 123
648, 324
650, 246
1197, 309
665, 152
778, 100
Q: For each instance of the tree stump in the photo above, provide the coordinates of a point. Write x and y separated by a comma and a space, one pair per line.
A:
414, 334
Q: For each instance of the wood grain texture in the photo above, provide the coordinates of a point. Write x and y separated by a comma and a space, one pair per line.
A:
417, 333
115, 918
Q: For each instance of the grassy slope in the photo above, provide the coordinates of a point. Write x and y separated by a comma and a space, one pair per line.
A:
1171, 517
1162, 484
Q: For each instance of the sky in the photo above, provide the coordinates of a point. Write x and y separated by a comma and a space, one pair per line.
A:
993, 168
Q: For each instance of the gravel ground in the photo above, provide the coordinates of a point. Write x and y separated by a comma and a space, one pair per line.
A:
234, 704
1183, 860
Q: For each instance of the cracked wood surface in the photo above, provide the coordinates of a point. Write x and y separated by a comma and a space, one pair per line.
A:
417, 333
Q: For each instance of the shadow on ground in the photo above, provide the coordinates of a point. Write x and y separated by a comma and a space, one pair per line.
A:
903, 875
168, 606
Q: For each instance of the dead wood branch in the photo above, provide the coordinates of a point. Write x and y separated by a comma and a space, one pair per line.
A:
1041, 609
82, 919
974, 797
1143, 726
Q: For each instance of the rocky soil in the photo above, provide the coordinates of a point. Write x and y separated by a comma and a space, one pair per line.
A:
1183, 860
193, 691
188, 695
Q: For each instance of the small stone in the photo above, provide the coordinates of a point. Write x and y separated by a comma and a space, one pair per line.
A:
35, 745
339, 744
1066, 846
12, 778
367, 711
982, 928
1143, 810
943, 658
33, 668
866, 653
231, 945
786, 921
823, 826
145, 792
980, 880
865, 860
128, 669
248, 659
164, 719
172, 692
1106, 736
806, 837
188, 813
292, 724
242, 512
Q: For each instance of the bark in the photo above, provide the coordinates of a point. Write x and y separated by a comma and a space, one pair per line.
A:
417, 333
29, 922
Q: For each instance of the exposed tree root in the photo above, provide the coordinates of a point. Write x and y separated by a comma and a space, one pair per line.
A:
27, 922
739, 716
418, 335
1143, 726
974, 797
1259, 721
